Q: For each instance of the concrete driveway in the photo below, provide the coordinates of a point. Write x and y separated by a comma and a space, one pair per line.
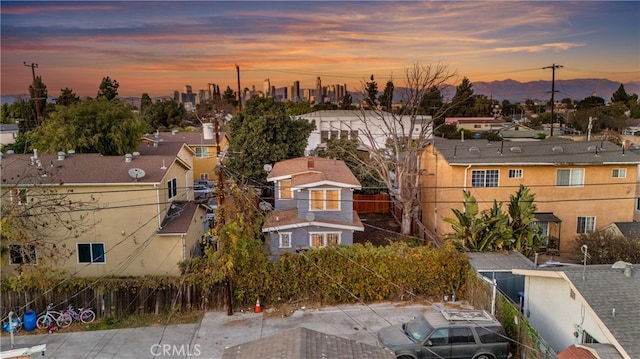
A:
216, 331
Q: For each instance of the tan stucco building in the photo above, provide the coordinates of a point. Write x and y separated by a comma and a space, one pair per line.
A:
578, 186
106, 215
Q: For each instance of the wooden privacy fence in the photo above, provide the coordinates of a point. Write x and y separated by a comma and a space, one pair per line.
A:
118, 302
371, 203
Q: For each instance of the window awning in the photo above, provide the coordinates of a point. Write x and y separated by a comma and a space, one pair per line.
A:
547, 217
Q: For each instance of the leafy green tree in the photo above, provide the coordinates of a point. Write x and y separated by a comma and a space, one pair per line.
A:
431, 103
24, 114
591, 102
371, 99
92, 126
526, 233
293, 108
145, 102
604, 247
325, 106
108, 89
164, 114
67, 97
620, 95
463, 99
263, 133
347, 102
386, 99
230, 97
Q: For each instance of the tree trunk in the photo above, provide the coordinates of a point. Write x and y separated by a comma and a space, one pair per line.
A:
407, 215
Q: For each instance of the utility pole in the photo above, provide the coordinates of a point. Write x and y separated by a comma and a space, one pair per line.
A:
553, 68
220, 185
239, 94
36, 91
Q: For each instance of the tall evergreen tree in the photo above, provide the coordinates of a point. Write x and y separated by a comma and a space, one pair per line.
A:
620, 95
145, 102
463, 99
108, 89
67, 97
386, 99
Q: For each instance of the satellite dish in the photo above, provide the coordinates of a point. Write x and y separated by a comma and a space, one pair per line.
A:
267, 168
310, 216
136, 173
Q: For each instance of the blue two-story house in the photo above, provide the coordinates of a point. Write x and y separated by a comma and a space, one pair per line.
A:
313, 205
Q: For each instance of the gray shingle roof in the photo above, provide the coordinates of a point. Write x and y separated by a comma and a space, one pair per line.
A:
303, 343
605, 288
629, 229
550, 151
499, 262
88, 168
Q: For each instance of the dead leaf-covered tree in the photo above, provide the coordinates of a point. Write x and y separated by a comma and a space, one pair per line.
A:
406, 131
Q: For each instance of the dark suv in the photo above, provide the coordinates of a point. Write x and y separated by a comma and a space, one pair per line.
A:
448, 334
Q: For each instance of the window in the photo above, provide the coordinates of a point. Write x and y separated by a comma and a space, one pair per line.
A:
440, 337
515, 173
19, 196
204, 176
285, 240
172, 186
619, 173
22, 254
491, 334
324, 200
484, 178
90, 252
202, 152
324, 136
637, 203
586, 225
323, 239
570, 177
285, 189
461, 336
588, 339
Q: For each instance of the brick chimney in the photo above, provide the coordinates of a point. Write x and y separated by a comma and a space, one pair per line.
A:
310, 163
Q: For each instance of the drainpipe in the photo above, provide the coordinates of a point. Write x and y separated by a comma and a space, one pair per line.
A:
155, 185
465, 177
184, 248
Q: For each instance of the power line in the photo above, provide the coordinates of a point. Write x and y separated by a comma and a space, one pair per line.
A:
553, 90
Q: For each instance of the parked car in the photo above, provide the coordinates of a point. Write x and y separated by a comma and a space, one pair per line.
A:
448, 334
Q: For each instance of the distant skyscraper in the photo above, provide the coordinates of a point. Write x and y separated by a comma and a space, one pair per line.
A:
266, 88
318, 93
295, 91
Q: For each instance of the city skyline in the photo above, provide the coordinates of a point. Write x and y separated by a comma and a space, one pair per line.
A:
159, 47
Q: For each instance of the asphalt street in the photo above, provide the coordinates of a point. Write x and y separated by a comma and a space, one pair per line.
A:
217, 331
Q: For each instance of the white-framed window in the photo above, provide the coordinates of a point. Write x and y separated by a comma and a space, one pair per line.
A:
22, 254
323, 239
484, 178
570, 177
202, 152
586, 225
90, 252
19, 196
324, 199
285, 239
172, 188
285, 191
619, 173
515, 173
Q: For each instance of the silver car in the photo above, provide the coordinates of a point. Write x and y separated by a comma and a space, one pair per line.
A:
448, 334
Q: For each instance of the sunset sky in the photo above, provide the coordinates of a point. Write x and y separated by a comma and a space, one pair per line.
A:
159, 46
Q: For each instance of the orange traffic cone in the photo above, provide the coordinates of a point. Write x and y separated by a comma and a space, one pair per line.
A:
258, 309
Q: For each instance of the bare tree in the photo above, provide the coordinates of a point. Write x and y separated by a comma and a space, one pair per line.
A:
38, 215
406, 131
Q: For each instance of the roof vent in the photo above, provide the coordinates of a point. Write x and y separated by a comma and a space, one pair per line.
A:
592, 148
10, 152
128, 157
155, 143
474, 149
557, 149
70, 152
61, 155
136, 154
515, 149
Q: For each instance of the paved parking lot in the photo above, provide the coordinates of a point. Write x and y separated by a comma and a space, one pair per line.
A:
216, 331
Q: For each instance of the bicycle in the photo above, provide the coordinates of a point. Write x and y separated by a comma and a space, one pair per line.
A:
85, 315
48, 318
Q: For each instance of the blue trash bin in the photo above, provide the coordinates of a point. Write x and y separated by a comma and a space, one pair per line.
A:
30, 318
